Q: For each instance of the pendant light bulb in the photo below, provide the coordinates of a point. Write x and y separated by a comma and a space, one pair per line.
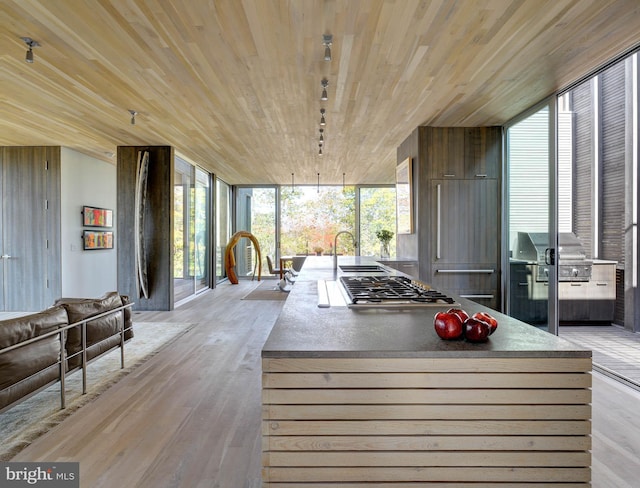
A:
133, 116
30, 44
327, 40
325, 84
322, 120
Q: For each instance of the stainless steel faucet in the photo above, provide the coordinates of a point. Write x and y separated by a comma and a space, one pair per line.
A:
335, 247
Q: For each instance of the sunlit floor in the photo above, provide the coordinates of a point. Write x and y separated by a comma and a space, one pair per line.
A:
616, 350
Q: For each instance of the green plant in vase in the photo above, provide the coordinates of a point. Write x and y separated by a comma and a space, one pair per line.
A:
384, 236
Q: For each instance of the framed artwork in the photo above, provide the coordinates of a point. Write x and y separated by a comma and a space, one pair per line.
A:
97, 217
404, 197
97, 239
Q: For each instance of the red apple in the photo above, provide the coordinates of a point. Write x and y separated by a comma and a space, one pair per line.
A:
448, 325
460, 313
476, 330
488, 319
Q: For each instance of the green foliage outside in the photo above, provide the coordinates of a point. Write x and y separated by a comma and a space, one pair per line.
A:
377, 213
311, 218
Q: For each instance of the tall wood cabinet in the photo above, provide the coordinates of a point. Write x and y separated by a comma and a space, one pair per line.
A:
456, 174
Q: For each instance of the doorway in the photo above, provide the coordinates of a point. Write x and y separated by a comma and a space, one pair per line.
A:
192, 202
256, 212
30, 228
531, 217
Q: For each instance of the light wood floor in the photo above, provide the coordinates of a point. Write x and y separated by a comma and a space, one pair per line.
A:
190, 416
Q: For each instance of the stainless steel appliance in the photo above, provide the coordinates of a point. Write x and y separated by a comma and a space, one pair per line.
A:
583, 296
573, 264
391, 292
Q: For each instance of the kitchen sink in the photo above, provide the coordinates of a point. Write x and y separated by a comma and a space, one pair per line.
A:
362, 268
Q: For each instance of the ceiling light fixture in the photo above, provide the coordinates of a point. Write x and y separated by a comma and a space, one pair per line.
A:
30, 44
325, 84
320, 150
327, 40
292, 182
322, 121
319, 175
321, 135
133, 116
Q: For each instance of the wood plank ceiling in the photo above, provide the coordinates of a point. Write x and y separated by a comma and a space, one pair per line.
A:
234, 85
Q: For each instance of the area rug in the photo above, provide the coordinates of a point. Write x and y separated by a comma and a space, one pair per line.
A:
28, 420
267, 290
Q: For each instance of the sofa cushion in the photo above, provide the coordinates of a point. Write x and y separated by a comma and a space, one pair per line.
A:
97, 330
24, 361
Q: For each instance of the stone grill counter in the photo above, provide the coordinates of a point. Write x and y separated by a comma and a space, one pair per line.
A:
374, 398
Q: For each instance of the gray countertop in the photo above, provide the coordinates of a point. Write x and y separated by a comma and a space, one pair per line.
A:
305, 330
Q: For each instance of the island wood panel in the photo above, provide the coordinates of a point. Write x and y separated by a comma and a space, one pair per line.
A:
500, 421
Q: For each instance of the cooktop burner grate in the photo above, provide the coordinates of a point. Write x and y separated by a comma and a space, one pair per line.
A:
391, 291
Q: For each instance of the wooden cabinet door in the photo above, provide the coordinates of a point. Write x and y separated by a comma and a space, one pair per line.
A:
465, 221
482, 152
446, 152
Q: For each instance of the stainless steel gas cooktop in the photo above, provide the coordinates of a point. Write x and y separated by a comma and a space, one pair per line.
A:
392, 291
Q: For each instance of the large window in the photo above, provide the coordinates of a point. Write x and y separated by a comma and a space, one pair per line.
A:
255, 213
191, 230
530, 186
377, 212
304, 220
312, 216
223, 225
598, 130
202, 220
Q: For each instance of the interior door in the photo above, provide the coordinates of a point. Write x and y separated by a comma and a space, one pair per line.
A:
29, 250
531, 199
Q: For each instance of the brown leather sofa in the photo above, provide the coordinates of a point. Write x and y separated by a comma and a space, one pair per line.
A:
102, 334
27, 368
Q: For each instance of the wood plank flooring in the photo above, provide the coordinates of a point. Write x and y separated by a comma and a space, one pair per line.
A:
190, 416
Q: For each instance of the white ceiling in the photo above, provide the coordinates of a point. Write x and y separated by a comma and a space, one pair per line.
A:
234, 85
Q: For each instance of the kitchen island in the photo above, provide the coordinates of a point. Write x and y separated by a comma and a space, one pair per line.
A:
373, 397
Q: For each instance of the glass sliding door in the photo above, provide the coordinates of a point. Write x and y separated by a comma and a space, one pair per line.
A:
191, 230
223, 226
256, 213
202, 220
183, 230
531, 232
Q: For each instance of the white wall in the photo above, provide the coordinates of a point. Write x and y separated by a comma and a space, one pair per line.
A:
86, 181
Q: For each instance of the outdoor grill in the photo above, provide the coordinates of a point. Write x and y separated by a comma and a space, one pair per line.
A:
586, 287
572, 261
